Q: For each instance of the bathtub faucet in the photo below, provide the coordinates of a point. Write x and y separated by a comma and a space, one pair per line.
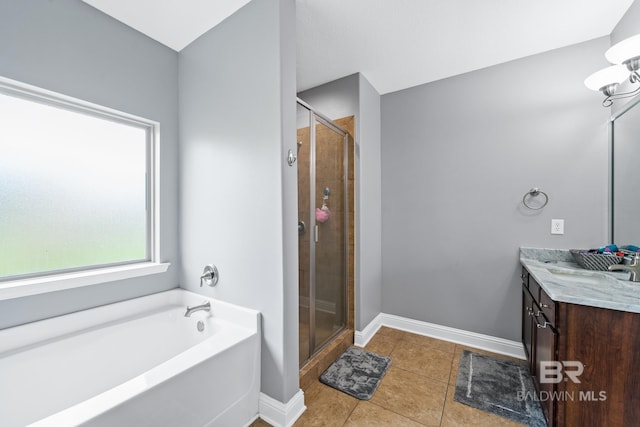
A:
206, 306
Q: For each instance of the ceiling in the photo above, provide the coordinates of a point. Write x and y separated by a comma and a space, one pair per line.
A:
395, 44
174, 23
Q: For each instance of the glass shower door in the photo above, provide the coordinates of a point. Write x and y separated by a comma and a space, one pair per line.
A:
322, 229
304, 214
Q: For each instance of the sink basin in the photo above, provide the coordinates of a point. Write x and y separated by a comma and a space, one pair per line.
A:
584, 277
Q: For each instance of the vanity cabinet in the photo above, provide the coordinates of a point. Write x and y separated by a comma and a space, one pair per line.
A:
539, 337
527, 322
593, 378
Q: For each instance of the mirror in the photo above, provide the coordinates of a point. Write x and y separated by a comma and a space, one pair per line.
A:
625, 180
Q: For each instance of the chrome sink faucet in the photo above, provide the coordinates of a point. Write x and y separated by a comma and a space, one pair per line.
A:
202, 307
633, 268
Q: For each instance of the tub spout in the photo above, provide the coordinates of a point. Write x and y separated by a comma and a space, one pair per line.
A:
206, 306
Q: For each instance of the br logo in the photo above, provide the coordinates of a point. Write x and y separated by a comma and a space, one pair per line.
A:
555, 372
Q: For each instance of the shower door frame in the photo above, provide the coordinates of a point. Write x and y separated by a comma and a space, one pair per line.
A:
314, 118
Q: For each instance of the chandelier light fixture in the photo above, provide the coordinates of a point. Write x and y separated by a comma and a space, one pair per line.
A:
625, 56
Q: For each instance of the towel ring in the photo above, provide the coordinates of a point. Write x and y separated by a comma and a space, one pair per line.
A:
534, 192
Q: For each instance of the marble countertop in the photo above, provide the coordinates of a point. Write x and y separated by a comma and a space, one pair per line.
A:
564, 281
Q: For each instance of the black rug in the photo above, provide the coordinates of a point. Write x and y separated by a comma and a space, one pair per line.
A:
356, 372
502, 387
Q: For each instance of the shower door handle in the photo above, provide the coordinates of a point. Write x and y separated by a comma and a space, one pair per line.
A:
315, 233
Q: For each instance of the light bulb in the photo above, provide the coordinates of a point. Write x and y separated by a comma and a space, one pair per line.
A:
624, 51
606, 78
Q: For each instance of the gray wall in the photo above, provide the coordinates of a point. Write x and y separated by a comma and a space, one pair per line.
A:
629, 25
354, 95
237, 195
290, 311
69, 47
369, 206
457, 157
336, 99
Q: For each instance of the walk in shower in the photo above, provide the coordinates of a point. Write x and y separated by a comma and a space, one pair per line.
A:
323, 230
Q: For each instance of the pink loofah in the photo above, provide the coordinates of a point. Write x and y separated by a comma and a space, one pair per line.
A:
322, 214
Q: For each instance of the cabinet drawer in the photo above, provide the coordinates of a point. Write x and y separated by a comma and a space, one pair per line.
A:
547, 306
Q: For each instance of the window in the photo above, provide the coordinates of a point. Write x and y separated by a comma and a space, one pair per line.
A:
77, 185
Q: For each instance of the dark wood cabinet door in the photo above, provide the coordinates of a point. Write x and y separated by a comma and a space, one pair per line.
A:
546, 361
527, 327
607, 343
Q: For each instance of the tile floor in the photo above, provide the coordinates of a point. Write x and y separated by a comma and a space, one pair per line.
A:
416, 391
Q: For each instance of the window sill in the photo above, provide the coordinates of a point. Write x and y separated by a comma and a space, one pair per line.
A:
39, 285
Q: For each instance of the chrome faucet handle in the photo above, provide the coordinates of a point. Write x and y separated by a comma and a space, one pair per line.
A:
634, 275
210, 275
633, 268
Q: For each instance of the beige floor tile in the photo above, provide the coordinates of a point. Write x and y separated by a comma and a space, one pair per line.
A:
308, 376
260, 423
458, 414
422, 360
312, 390
369, 415
381, 344
414, 396
395, 334
455, 363
416, 391
326, 407
430, 342
460, 347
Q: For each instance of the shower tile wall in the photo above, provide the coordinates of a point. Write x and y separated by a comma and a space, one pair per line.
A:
330, 249
348, 124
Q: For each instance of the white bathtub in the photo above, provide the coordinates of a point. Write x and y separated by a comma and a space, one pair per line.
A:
135, 363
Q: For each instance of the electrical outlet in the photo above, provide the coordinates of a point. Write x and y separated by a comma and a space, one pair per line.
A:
557, 226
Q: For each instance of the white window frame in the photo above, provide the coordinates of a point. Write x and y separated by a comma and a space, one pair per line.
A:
22, 287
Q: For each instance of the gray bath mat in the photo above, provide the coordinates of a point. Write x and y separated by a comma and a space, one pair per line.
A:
502, 387
356, 372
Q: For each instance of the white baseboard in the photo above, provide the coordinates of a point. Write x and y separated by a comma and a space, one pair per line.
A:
458, 336
280, 414
362, 338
